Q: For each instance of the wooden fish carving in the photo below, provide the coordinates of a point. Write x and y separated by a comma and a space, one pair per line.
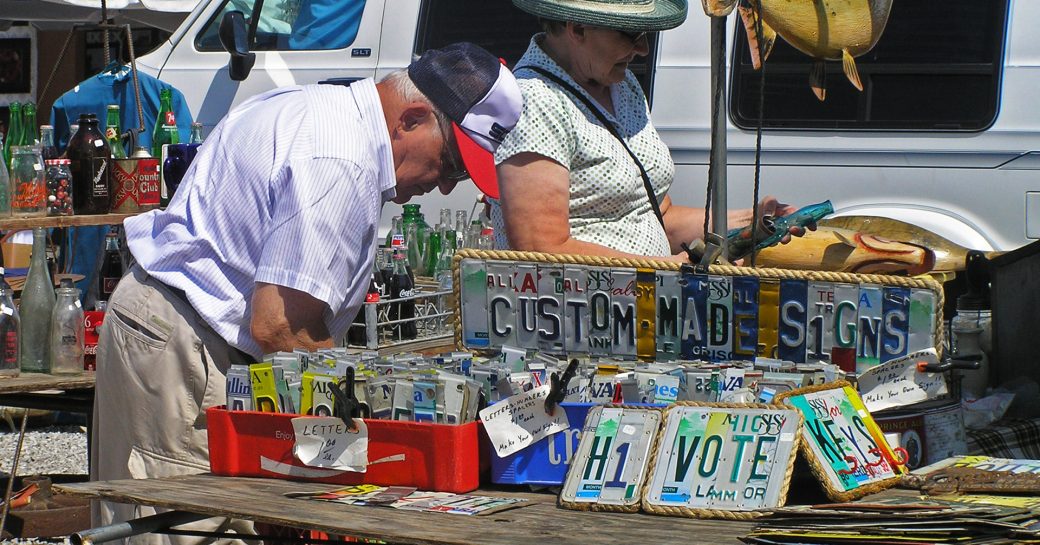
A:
843, 250
822, 29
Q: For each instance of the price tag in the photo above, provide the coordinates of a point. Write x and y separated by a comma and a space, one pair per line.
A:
327, 442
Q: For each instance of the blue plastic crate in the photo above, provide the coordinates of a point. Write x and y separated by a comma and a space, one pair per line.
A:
545, 462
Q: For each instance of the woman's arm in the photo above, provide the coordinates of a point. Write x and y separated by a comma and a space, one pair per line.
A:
535, 198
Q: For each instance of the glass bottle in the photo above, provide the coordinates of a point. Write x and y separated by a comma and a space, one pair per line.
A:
970, 328
89, 154
165, 132
5, 185
14, 130
36, 307
66, 336
433, 253
358, 333
59, 187
111, 270
402, 285
196, 133
413, 249
112, 133
473, 234
28, 185
30, 136
47, 147
395, 238
460, 229
9, 324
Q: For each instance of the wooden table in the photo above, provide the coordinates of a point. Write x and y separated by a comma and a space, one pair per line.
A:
541, 522
74, 393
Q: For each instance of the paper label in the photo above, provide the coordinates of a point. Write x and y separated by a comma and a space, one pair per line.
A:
521, 420
897, 382
327, 442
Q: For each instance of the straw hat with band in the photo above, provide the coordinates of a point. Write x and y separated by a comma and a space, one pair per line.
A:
627, 15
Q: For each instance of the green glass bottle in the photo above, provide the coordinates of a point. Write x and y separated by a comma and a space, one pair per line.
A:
14, 131
5, 185
112, 132
30, 130
165, 132
37, 304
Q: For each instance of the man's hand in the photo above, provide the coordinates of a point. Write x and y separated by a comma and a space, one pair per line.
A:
283, 319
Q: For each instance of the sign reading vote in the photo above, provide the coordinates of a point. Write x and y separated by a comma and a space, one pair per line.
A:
723, 458
847, 445
668, 315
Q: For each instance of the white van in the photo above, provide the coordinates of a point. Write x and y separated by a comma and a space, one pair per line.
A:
946, 133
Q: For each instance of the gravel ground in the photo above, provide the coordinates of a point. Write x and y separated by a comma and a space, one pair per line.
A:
46, 450
49, 450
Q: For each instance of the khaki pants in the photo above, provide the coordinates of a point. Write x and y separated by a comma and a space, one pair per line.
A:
159, 367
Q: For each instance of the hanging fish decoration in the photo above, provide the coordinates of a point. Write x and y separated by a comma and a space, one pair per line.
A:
822, 29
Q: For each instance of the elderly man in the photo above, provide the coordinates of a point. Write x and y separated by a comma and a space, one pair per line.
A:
269, 242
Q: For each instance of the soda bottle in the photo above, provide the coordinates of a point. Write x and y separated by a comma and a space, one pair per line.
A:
196, 133
402, 285
112, 133
165, 132
47, 147
30, 136
460, 229
66, 336
395, 238
14, 131
9, 324
5, 185
89, 154
36, 307
358, 333
111, 270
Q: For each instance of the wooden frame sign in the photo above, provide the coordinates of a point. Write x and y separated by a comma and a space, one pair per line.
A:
642, 309
610, 466
722, 460
846, 449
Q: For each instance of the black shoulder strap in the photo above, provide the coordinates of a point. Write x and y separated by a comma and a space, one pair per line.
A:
610, 127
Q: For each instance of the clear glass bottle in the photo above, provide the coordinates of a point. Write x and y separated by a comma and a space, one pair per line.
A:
66, 336
5, 185
36, 307
47, 147
395, 238
460, 229
9, 324
413, 248
59, 187
28, 185
196, 133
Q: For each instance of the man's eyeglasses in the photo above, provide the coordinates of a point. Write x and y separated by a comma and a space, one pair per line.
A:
634, 36
450, 160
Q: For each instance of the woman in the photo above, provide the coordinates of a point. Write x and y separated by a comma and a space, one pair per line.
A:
566, 183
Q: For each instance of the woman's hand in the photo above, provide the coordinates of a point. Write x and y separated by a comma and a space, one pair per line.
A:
769, 206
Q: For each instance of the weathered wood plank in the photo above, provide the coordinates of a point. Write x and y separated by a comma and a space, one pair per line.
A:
542, 522
62, 221
34, 382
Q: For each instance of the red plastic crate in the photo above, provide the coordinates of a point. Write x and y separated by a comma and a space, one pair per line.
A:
437, 457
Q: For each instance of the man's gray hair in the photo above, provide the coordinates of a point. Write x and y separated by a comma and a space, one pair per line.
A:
399, 81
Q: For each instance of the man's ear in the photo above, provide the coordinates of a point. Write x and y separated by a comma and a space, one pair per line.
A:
415, 114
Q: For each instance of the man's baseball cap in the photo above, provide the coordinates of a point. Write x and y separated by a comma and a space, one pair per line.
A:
481, 97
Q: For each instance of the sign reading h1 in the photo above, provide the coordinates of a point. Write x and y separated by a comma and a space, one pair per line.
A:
847, 450
625, 312
715, 458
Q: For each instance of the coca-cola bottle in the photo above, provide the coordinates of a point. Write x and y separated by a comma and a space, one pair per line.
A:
402, 285
90, 155
111, 270
358, 332
9, 323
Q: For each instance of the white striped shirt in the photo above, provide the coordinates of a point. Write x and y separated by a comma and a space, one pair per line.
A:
286, 190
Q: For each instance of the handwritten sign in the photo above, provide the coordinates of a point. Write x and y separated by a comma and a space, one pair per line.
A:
521, 420
846, 449
898, 382
619, 311
328, 442
718, 458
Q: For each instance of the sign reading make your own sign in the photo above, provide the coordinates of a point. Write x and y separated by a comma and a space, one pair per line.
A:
666, 315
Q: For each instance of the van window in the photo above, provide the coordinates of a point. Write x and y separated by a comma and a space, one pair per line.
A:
501, 28
288, 25
937, 67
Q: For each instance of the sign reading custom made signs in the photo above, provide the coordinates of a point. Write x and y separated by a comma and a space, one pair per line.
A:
846, 449
571, 306
722, 459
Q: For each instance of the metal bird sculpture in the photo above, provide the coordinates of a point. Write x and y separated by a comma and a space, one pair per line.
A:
822, 29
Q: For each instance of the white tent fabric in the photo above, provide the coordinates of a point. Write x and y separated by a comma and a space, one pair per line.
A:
53, 15
153, 5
